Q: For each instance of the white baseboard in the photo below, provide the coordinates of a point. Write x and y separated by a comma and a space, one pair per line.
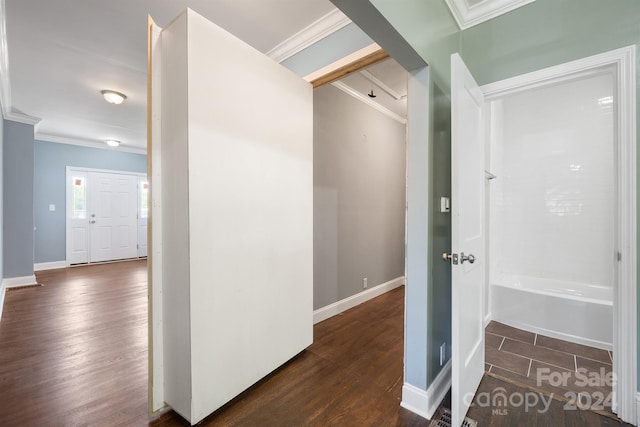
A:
425, 403
49, 265
638, 409
17, 282
487, 319
2, 293
343, 305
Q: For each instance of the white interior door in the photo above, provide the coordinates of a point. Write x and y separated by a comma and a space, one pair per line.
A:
112, 202
468, 235
143, 216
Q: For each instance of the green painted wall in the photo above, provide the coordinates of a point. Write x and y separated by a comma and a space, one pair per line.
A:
539, 35
439, 290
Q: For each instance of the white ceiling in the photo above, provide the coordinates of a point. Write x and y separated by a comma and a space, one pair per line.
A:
62, 53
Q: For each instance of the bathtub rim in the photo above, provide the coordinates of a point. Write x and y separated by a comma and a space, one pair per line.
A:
552, 294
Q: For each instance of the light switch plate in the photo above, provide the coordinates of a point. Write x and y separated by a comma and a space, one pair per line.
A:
445, 205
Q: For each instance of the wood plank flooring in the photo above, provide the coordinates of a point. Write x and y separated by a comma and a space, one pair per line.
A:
74, 353
351, 375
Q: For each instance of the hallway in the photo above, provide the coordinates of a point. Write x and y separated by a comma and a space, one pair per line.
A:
74, 352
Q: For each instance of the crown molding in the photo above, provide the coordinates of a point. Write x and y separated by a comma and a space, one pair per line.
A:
5, 88
15, 116
8, 112
467, 16
323, 27
363, 98
86, 143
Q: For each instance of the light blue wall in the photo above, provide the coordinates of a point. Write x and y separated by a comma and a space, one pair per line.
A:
51, 160
343, 42
418, 217
17, 199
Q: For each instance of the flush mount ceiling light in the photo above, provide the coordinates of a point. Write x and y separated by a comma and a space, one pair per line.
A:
113, 97
112, 142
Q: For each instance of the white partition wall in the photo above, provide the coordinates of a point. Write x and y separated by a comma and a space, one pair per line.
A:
237, 193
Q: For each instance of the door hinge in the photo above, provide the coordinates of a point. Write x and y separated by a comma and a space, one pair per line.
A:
619, 256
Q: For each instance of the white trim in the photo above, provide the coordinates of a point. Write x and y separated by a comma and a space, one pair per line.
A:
363, 98
343, 305
316, 31
2, 294
467, 16
425, 403
117, 172
18, 282
5, 86
622, 62
638, 409
15, 116
86, 143
49, 265
8, 112
382, 85
487, 319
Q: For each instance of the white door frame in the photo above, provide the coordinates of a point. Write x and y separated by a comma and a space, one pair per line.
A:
69, 199
623, 64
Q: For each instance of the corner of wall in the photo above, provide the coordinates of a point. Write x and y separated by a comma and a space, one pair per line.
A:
425, 403
638, 409
2, 292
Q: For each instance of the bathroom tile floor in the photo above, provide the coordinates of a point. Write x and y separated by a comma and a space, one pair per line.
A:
578, 374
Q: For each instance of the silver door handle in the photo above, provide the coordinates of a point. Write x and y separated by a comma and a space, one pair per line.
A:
471, 258
450, 257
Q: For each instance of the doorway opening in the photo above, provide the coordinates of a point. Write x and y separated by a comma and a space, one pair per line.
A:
106, 215
561, 249
359, 186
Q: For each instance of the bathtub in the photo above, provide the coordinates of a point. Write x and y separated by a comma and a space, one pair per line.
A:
574, 312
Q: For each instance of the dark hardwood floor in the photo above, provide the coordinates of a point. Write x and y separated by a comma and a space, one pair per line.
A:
350, 376
73, 352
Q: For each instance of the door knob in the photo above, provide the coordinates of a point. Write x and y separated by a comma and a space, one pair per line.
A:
471, 258
450, 257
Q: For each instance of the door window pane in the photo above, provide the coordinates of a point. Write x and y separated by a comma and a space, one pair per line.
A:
79, 198
144, 200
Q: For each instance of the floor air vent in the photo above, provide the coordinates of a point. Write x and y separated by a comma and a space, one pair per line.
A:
443, 419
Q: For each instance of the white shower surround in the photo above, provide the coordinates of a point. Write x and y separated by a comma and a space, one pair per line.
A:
552, 210
623, 63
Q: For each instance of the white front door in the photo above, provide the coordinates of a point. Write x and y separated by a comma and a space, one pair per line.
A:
468, 237
112, 201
